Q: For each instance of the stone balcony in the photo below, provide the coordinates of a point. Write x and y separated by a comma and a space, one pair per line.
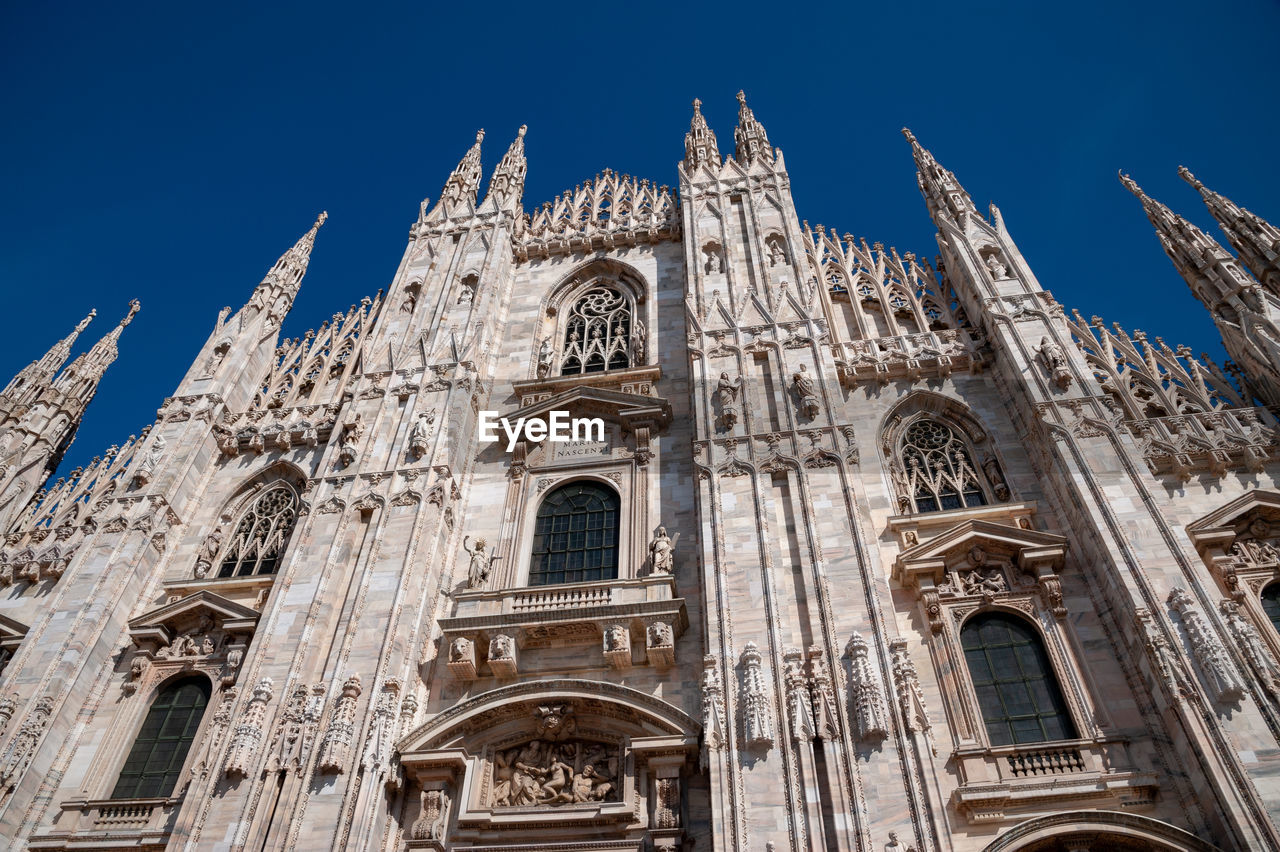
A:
111, 824
629, 622
1008, 782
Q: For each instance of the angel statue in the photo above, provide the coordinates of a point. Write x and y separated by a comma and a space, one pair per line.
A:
481, 562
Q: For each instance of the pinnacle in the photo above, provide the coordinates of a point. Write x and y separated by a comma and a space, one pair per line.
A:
1185, 174
1131, 185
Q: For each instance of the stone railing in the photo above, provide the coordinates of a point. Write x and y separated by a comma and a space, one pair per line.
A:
928, 354
1006, 782
1214, 441
630, 622
110, 824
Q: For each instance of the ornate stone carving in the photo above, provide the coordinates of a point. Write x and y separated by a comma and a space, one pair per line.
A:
799, 700
1054, 361
1259, 658
376, 758
348, 441
480, 563
434, 818
147, 466
1222, 679
757, 718
806, 390
22, 748
462, 658
335, 747
502, 655
713, 730
248, 734
727, 395
206, 757
209, 553
660, 644
296, 730
915, 713
617, 645
826, 724
866, 700
421, 433
662, 552
541, 773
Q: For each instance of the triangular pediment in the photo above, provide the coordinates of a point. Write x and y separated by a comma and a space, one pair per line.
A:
1031, 550
1222, 525
11, 632
614, 406
203, 609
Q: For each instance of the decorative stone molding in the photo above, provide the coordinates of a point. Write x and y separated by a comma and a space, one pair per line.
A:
22, 747
537, 618
980, 561
249, 732
1011, 782
757, 715
927, 355
296, 731
866, 697
335, 747
713, 713
1210, 656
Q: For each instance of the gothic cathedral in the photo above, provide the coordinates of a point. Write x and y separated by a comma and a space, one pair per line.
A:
658, 520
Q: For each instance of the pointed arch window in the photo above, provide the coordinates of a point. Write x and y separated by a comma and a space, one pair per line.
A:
261, 533
155, 761
938, 468
597, 333
575, 536
1017, 690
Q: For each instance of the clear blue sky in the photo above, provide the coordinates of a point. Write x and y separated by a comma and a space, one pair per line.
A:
170, 152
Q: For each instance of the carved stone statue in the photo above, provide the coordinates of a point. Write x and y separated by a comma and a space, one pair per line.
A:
208, 553
997, 268
659, 634
995, 477
542, 773
713, 264
727, 395
1055, 362
421, 432
661, 552
351, 432
478, 570
807, 390
637, 345
546, 356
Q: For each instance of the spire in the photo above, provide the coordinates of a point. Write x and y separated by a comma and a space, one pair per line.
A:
749, 139
942, 192
39, 373
1247, 317
700, 142
1209, 269
508, 178
465, 180
1255, 240
280, 286
82, 377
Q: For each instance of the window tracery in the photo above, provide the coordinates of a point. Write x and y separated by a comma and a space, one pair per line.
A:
261, 534
937, 469
598, 332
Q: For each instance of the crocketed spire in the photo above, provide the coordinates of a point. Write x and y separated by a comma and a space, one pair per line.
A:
700, 142
943, 194
749, 139
1255, 240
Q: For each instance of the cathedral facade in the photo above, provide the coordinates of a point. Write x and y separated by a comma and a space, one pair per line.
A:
852, 551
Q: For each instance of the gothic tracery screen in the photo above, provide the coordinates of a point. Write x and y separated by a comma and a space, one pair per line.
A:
261, 534
938, 468
597, 333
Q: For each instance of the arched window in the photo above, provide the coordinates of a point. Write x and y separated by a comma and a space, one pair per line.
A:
938, 468
161, 747
597, 335
261, 533
575, 538
1271, 604
1017, 690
